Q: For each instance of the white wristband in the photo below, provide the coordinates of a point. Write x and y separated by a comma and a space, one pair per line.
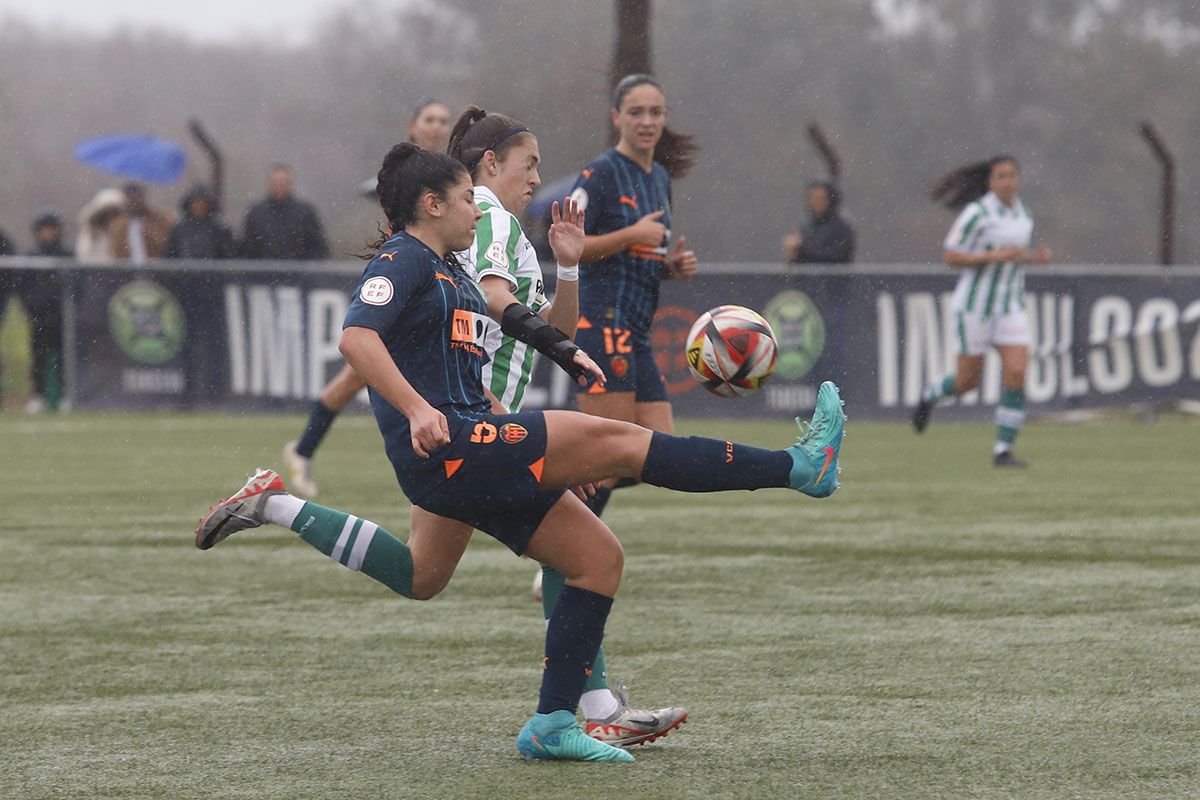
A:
568, 273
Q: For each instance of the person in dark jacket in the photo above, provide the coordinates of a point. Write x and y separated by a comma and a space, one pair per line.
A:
827, 238
282, 226
200, 232
41, 294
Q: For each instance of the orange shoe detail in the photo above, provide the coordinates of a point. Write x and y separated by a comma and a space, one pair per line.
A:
452, 466
536, 468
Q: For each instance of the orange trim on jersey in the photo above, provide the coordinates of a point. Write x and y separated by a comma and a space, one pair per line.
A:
647, 253
452, 467
629, 201
597, 388
584, 324
446, 278
587, 173
536, 468
390, 255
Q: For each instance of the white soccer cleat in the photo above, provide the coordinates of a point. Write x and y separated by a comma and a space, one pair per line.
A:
240, 511
299, 471
629, 726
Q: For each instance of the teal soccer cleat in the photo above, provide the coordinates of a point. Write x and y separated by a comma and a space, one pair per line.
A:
815, 455
558, 737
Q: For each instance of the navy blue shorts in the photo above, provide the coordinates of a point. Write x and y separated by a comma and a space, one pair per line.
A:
627, 360
486, 477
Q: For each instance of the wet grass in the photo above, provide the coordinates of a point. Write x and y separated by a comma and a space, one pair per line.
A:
937, 629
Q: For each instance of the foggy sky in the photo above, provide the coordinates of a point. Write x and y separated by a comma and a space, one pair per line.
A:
216, 21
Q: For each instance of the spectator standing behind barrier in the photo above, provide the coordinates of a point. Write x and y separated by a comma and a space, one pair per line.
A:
281, 226
199, 232
41, 294
140, 233
94, 245
827, 238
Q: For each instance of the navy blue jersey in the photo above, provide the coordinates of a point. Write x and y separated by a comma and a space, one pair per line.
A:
621, 291
433, 319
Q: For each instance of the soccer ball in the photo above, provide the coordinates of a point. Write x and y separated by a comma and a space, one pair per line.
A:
731, 350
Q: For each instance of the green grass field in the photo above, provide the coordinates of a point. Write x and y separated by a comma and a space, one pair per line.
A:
935, 630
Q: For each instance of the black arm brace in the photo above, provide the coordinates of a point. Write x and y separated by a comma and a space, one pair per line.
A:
519, 322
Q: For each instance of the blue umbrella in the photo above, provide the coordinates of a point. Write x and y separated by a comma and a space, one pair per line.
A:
141, 157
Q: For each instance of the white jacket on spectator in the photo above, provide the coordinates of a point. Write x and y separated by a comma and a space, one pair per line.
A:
94, 245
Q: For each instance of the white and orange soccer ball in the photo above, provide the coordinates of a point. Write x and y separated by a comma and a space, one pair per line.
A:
731, 350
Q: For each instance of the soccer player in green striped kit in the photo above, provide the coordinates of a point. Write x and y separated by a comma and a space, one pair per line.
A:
502, 157
989, 244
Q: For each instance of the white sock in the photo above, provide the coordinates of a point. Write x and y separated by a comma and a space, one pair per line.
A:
282, 509
598, 704
1001, 447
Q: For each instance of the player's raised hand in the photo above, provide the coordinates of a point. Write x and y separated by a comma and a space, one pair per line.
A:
429, 430
584, 361
683, 263
566, 232
648, 231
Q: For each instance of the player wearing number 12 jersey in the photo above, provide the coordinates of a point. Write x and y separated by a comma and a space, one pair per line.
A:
626, 197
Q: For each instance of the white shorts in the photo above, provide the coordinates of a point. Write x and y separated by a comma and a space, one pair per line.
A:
974, 334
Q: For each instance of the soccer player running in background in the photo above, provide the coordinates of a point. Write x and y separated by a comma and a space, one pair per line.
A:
415, 332
989, 244
428, 127
503, 157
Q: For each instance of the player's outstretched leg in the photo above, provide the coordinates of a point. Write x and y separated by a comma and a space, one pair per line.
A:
581, 448
356, 543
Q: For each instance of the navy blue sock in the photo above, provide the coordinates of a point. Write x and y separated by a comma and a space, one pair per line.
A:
573, 635
695, 464
319, 420
597, 502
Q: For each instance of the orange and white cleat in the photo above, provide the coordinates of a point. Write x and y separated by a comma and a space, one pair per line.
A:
627, 726
240, 511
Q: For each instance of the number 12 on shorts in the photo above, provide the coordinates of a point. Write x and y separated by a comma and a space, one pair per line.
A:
616, 340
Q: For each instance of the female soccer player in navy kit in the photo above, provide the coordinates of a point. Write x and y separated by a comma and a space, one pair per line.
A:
414, 332
428, 127
626, 198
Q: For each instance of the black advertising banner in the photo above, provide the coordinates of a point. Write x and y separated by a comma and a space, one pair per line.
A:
264, 336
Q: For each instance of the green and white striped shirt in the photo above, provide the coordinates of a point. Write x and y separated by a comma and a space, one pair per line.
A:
501, 249
985, 225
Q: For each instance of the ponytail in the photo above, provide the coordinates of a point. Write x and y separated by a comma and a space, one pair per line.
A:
477, 132
968, 183
407, 173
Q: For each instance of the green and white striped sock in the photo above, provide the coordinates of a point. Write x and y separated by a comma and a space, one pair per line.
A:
355, 543
1010, 416
939, 389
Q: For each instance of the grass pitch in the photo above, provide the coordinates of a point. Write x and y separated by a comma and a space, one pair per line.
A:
937, 629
